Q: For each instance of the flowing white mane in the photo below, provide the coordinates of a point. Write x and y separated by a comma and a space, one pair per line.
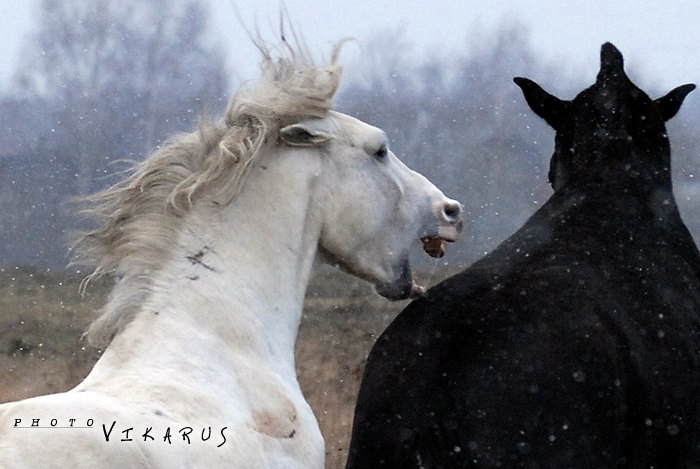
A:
138, 218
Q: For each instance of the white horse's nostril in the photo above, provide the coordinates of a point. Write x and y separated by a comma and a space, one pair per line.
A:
452, 211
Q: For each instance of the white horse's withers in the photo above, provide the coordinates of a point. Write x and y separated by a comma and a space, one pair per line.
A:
213, 240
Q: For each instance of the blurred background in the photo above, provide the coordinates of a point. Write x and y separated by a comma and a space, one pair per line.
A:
88, 86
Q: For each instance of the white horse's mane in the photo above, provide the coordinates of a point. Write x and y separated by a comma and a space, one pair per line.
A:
138, 218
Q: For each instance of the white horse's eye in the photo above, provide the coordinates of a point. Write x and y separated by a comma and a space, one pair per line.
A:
382, 153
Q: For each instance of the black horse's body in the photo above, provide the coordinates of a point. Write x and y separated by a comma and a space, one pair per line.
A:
575, 343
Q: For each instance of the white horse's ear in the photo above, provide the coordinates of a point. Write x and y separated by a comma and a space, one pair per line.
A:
303, 135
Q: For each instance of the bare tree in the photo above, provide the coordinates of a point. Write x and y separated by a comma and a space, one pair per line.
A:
101, 81
118, 67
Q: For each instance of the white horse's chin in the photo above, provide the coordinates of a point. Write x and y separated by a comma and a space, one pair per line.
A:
402, 288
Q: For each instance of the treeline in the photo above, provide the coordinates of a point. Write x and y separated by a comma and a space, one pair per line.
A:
112, 84
101, 84
458, 118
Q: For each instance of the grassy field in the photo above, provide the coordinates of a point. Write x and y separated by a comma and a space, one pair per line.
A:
42, 318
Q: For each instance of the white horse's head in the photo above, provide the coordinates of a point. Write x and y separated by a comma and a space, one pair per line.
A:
277, 133
375, 207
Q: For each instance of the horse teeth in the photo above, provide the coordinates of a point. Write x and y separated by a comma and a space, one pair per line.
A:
434, 246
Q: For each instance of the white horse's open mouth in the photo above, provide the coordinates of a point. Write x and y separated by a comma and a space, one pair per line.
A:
404, 286
435, 246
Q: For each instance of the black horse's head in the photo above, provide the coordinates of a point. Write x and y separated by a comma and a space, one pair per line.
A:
612, 132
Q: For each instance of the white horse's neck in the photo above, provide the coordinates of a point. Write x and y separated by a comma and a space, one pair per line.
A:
213, 344
234, 288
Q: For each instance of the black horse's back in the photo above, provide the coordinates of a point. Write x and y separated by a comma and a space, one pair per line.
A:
575, 343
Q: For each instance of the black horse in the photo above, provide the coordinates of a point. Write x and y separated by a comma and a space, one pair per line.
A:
575, 343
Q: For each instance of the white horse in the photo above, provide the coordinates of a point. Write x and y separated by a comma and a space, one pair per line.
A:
213, 239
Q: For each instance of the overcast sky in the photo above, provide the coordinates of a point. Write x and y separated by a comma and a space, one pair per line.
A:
660, 40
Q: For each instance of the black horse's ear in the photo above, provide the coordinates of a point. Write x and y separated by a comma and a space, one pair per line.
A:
548, 107
671, 103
